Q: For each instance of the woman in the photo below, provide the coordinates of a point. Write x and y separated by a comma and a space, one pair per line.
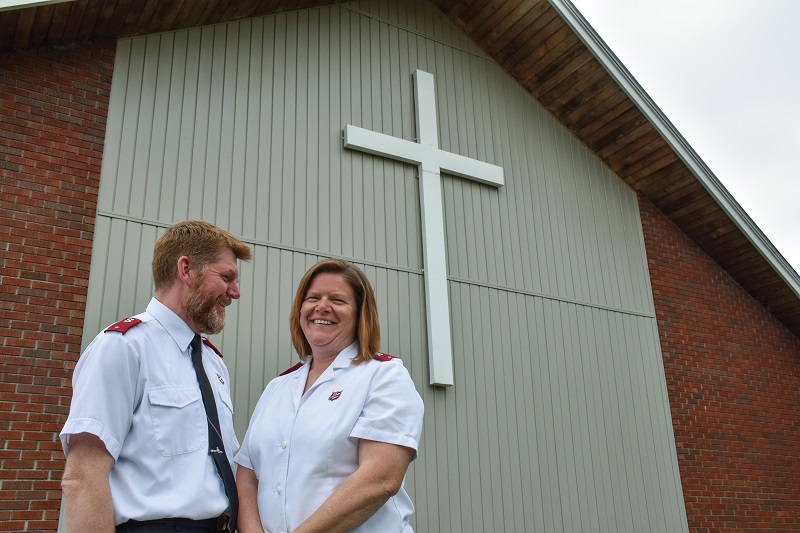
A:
331, 438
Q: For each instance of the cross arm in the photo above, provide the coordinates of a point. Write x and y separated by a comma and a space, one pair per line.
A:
384, 145
472, 169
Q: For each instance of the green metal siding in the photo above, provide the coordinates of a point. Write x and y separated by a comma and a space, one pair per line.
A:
559, 418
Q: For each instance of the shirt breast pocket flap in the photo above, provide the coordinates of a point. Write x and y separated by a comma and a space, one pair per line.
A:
226, 400
226, 420
179, 421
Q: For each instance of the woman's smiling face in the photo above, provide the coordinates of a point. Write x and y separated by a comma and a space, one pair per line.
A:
329, 315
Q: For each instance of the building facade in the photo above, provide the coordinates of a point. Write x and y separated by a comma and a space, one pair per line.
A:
608, 375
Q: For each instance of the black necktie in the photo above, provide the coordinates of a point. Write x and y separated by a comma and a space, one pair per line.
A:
215, 445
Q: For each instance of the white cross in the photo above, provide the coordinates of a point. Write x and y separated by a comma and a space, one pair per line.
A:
431, 161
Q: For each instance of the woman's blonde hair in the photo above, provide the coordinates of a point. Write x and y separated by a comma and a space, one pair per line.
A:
368, 328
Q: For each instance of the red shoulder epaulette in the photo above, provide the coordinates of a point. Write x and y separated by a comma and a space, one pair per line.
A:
123, 325
383, 356
291, 369
208, 343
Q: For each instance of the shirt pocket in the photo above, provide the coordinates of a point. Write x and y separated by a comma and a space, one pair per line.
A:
226, 421
179, 420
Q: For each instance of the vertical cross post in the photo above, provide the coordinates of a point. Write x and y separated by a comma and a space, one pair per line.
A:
431, 161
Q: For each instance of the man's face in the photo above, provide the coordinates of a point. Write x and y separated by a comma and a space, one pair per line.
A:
212, 292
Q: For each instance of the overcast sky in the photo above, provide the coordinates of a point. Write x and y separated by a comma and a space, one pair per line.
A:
727, 74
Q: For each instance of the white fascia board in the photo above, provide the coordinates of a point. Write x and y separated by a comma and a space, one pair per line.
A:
10, 5
661, 123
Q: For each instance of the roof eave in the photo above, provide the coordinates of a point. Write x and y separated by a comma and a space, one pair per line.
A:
704, 175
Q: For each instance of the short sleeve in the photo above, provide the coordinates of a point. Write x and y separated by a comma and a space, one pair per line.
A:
104, 389
393, 409
243, 455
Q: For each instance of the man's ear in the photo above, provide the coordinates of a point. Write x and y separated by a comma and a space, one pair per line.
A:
184, 270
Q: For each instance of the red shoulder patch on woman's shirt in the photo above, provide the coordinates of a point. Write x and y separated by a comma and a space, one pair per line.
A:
208, 343
123, 325
291, 369
383, 356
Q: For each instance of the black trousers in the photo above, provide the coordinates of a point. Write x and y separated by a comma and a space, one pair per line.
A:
171, 525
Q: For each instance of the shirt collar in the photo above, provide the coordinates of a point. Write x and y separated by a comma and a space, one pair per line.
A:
180, 332
346, 356
344, 359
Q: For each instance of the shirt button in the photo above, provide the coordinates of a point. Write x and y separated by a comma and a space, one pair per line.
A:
283, 445
279, 490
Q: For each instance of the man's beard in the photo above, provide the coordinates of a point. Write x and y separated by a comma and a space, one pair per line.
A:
201, 309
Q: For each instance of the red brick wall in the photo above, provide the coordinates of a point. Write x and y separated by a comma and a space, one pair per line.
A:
53, 108
733, 376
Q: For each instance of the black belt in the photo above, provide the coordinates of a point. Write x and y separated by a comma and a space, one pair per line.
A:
175, 524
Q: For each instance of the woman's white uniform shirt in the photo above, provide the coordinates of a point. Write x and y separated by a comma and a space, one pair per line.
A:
303, 446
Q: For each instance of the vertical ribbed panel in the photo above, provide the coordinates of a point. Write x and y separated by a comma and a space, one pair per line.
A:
559, 419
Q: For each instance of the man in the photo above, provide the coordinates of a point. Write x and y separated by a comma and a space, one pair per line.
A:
142, 442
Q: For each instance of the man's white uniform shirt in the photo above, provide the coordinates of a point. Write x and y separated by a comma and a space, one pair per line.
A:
303, 446
138, 392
